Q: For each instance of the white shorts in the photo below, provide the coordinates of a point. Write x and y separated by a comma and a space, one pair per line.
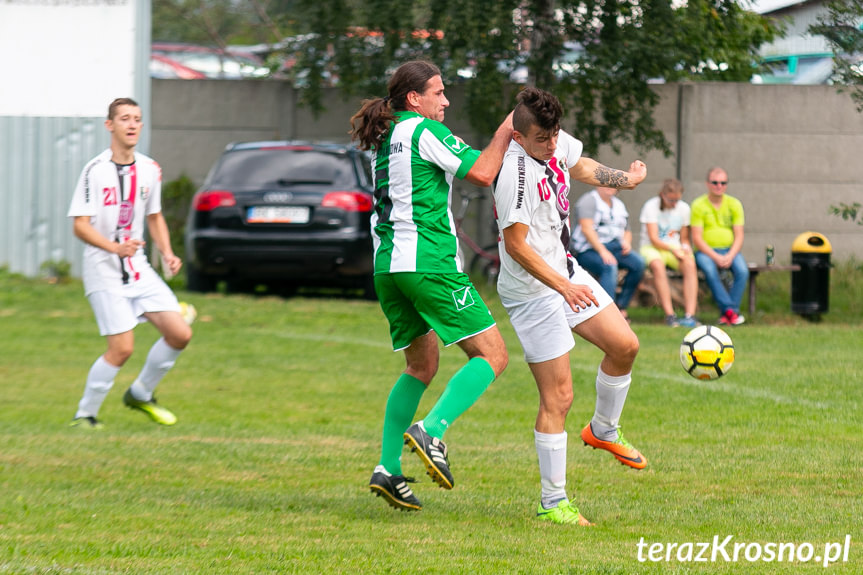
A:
544, 324
117, 312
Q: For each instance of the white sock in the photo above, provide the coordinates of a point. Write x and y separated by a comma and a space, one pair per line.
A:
99, 382
610, 396
551, 451
160, 360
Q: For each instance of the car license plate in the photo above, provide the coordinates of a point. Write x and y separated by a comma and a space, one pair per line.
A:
278, 215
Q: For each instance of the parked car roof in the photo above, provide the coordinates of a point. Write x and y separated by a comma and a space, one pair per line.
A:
209, 61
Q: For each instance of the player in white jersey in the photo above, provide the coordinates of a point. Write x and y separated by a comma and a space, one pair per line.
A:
548, 295
421, 287
118, 193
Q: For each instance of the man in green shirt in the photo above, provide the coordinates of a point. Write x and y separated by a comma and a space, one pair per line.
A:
717, 233
419, 279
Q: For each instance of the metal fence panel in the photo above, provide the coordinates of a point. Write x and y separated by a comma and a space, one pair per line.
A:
40, 161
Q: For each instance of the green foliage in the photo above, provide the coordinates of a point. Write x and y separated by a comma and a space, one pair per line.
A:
848, 212
356, 45
841, 26
628, 46
176, 199
223, 22
209, 22
280, 406
56, 270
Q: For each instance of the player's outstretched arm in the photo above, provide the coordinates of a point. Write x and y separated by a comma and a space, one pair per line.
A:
486, 167
591, 172
515, 240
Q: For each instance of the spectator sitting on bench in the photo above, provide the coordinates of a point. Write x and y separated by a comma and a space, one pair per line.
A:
717, 234
602, 244
665, 243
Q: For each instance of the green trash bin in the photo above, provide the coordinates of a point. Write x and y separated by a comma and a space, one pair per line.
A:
810, 285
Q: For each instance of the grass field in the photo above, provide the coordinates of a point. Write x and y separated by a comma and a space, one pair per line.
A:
280, 404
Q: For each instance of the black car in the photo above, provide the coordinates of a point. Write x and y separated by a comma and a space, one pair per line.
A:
286, 213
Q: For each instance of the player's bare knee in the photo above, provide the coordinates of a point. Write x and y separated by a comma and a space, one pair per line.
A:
179, 338
118, 355
563, 397
422, 368
626, 350
499, 360
424, 373
632, 346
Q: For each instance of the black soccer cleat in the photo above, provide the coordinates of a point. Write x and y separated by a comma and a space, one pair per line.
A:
394, 489
433, 453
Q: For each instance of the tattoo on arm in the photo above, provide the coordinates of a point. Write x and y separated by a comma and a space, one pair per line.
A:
611, 178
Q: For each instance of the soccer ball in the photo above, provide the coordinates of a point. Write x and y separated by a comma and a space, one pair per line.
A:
707, 352
188, 312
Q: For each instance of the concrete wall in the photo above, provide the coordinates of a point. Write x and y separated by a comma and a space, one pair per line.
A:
790, 151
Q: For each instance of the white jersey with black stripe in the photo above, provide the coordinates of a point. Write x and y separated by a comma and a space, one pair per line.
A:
117, 199
535, 194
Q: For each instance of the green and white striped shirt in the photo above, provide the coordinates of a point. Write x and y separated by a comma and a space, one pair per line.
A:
412, 224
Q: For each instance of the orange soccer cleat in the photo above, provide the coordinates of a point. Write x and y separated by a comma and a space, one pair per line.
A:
619, 448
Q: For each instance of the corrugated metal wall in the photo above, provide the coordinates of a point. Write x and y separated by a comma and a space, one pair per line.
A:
41, 158
40, 161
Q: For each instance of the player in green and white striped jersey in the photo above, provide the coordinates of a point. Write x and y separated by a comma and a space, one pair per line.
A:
420, 283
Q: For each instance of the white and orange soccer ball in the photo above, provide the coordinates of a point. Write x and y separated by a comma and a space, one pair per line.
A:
707, 352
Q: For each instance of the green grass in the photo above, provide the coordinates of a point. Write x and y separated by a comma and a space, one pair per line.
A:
280, 404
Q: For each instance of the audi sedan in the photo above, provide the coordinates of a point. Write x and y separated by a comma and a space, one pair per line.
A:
284, 214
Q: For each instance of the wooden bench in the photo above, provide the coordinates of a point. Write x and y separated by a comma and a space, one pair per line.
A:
645, 296
755, 270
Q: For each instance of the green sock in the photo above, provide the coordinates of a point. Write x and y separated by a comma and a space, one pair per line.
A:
401, 407
462, 391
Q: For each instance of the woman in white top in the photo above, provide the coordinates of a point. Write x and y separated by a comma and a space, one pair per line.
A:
665, 243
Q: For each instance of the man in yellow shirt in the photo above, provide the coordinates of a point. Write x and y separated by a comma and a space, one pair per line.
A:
717, 232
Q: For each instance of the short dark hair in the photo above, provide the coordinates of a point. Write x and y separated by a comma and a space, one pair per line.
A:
112, 108
537, 107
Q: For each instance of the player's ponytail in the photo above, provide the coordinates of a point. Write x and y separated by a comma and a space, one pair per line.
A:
371, 122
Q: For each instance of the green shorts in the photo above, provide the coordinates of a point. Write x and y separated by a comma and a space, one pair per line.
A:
416, 303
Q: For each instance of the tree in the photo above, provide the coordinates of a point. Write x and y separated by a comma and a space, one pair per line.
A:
841, 26
622, 46
223, 22
625, 45
629, 45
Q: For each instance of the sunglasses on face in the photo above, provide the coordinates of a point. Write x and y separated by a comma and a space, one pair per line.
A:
718, 183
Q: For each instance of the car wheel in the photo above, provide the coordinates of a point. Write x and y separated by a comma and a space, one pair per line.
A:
197, 281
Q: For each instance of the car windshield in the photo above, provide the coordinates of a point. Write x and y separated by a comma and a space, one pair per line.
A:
283, 167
